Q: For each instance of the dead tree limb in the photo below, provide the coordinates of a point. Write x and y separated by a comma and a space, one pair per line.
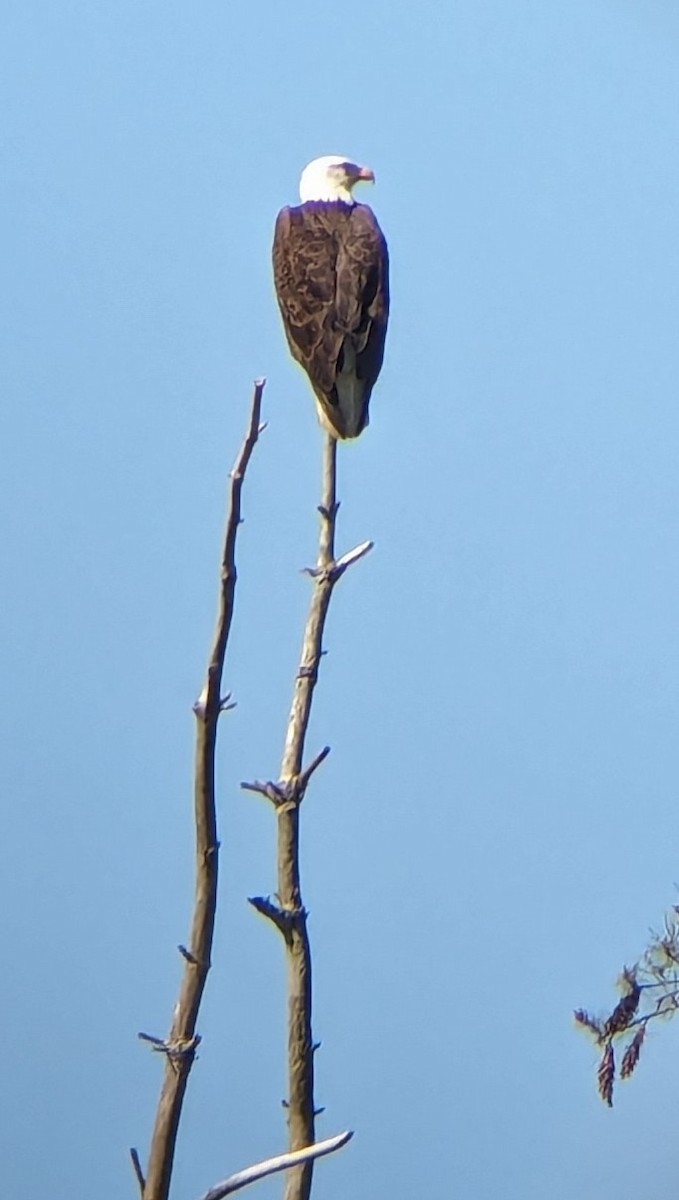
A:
179, 1047
282, 1162
288, 913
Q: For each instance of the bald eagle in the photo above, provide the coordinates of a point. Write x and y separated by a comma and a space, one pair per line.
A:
331, 273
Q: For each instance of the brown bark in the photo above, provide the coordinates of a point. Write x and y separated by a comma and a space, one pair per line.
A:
180, 1045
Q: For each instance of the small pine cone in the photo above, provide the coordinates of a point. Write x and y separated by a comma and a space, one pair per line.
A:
631, 1055
623, 1012
606, 1075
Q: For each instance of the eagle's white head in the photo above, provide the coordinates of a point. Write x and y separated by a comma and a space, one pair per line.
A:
332, 178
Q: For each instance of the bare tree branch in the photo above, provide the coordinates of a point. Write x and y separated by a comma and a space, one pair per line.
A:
280, 917
270, 790
180, 1044
289, 914
281, 1163
306, 774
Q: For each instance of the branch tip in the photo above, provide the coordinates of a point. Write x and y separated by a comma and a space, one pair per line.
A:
351, 557
137, 1170
270, 790
308, 771
179, 1047
154, 1041
280, 917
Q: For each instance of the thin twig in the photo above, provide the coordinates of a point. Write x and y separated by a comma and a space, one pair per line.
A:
288, 794
305, 776
138, 1171
281, 1163
352, 556
269, 789
281, 917
181, 1041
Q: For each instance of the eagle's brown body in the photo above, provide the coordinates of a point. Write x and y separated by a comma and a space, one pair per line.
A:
331, 272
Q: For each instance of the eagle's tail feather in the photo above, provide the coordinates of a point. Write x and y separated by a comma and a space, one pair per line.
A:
349, 413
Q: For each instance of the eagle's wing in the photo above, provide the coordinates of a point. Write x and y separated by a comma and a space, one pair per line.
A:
331, 277
304, 262
362, 297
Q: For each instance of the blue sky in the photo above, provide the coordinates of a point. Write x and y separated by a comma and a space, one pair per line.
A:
497, 825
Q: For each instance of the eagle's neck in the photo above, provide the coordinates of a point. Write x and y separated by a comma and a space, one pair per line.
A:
329, 193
